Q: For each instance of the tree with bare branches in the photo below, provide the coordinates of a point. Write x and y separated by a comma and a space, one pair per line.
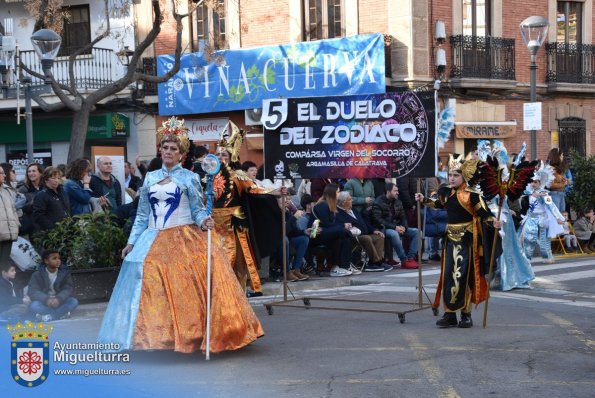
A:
49, 14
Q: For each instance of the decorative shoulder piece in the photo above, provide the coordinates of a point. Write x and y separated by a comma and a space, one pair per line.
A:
469, 170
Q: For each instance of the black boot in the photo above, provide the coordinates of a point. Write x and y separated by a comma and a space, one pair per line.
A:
466, 321
449, 319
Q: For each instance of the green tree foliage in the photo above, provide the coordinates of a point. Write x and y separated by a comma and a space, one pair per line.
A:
583, 177
85, 241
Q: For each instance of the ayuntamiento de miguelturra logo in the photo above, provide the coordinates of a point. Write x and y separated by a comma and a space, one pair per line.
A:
30, 353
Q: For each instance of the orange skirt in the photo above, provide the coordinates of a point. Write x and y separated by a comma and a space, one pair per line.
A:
172, 309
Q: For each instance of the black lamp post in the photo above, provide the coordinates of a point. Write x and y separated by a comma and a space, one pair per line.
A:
534, 32
46, 44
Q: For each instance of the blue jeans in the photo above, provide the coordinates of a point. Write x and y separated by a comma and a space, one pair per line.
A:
432, 245
69, 305
395, 239
559, 199
300, 245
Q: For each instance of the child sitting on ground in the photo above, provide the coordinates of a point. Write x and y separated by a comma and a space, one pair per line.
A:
584, 228
13, 308
51, 289
569, 239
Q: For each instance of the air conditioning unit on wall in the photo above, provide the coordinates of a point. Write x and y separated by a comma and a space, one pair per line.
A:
252, 117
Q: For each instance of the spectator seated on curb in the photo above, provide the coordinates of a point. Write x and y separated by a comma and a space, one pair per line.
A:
370, 238
584, 229
13, 306
388, 211
331, 233
50, 289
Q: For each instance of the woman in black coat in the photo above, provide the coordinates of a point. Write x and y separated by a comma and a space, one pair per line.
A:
334, 234
51, 205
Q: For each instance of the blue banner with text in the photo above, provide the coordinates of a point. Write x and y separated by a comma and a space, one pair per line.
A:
240, 79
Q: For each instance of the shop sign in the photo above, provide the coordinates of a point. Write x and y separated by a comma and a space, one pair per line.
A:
485, 130
206, 129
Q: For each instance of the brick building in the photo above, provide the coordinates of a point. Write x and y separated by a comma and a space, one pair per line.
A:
487, 70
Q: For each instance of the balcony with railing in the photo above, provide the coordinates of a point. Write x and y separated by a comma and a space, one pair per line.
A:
91, 71
481, 58
571, 66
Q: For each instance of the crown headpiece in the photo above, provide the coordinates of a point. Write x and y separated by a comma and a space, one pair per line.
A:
232, 141
455, 162
544, 174
30, 330
173, 129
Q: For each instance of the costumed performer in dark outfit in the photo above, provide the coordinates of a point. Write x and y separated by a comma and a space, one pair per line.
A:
239, 201
462, 279
159, 301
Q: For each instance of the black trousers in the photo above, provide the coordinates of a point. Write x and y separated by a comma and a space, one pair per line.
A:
5, 247
339, 243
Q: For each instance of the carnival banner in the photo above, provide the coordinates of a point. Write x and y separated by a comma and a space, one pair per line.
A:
242, 79
363, 136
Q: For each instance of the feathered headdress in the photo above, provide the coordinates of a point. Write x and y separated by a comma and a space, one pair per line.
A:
232, 142
498, 180
483, 149
174, 129
544, 174
446, 122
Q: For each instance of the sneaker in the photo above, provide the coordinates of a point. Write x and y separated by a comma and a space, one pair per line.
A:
392, 262
338, 271
410, 264
354, 270
47, 318
386, 267
300, 276
373, 268
435, 257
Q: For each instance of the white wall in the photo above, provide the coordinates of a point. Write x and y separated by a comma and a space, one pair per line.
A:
122, 28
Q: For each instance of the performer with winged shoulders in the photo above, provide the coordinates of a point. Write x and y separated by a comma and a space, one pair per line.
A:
462, 281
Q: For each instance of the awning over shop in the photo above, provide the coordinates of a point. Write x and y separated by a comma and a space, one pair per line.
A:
106, 126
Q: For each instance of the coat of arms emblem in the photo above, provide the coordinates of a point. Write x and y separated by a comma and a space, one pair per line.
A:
29, 353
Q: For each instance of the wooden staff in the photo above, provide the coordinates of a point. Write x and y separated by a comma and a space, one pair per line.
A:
419, 246
493, 254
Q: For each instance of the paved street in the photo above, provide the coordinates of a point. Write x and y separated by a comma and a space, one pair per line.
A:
539, 342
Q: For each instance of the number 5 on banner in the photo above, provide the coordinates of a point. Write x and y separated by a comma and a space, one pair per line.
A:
274, 113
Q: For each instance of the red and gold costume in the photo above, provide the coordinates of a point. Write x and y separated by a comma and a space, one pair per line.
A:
234, 192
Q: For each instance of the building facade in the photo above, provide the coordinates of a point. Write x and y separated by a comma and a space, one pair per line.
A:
486, 76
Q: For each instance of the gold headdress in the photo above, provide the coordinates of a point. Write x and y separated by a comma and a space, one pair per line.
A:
455, 162
232, 142
467, 168
174, 129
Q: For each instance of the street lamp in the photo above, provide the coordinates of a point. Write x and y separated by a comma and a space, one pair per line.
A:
46, 44
534, 31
